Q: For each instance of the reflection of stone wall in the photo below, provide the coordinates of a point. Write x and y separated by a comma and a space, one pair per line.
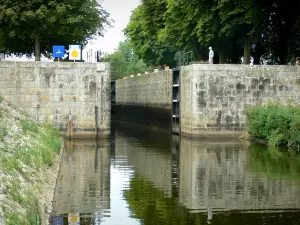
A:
152, 164
83, 185
215, 175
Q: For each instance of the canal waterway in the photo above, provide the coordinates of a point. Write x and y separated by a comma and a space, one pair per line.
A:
142, 176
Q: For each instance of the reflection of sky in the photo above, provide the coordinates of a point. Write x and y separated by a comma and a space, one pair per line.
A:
119, 211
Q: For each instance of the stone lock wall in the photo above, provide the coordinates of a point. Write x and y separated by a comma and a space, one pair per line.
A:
214, 98
153, 90
145, 100
73, 96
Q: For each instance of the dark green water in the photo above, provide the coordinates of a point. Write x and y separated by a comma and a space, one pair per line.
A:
148, 177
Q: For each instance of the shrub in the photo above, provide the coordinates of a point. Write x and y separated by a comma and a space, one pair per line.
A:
277, 124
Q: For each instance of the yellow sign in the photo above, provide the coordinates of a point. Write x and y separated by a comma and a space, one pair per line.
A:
75, 52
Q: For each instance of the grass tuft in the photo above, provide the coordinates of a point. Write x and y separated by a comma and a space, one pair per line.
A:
32, 147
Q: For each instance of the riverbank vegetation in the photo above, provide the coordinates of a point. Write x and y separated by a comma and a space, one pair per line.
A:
27, 150
277, 124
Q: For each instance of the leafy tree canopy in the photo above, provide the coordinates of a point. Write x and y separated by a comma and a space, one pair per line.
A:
124, 61
33, 26
266, 29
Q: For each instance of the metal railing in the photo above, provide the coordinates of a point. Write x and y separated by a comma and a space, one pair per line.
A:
183, 58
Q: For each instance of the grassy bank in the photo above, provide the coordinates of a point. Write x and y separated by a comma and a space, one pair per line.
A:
27, 149
277, 124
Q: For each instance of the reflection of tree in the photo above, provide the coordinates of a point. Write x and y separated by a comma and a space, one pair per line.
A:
152, 207
273, 162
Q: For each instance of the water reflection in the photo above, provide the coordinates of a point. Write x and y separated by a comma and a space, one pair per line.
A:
142, 176
221, 177
83, 185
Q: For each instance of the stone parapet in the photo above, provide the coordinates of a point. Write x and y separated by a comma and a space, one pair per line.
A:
59, 92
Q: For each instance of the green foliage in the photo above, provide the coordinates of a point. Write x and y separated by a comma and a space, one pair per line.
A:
270, 29
3, 129
29, 126
277, 124
26, 24
25, 198
295, 130
3, 133
39, 155
1, 98
143, 29
37, 150
14, 218
124, 61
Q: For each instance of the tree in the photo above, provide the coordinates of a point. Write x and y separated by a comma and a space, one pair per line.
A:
143, 29
266, 28
33, 26
124, 61
281, 31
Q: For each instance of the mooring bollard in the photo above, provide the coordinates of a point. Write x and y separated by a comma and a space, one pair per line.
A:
70, 127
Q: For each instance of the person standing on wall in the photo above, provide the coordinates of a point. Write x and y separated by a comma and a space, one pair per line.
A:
211, 56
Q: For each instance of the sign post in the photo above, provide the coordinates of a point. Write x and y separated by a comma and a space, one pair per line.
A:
2, 55
58, 51
74, 52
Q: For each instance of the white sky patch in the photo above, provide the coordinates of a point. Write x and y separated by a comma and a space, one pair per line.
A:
120, 11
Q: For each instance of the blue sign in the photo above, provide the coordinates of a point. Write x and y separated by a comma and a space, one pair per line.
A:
57, 220
58, 51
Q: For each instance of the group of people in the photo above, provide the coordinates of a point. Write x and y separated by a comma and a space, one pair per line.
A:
211, 57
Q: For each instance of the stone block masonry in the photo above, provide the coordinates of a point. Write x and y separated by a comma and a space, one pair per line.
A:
75, 97
153, 90
214, 98
145, 100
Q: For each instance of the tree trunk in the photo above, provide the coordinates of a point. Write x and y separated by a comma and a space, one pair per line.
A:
37, 48
197, 50
247, 51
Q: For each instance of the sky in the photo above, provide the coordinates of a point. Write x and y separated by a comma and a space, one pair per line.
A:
120, 11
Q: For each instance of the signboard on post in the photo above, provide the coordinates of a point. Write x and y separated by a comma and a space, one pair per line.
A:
74, 52
58, 51
2, 55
